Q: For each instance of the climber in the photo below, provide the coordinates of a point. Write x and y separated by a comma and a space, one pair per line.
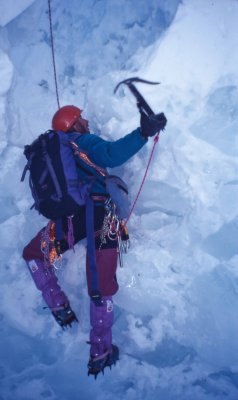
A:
101, 154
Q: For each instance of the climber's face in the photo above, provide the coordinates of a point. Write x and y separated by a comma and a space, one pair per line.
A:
81, 125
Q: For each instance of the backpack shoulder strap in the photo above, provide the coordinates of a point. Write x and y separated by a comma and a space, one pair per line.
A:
50, 167
27, 167
84, 157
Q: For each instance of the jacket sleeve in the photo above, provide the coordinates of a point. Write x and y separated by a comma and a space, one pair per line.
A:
111, 154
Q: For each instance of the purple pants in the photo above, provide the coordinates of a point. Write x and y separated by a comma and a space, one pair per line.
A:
106, 259
101, 319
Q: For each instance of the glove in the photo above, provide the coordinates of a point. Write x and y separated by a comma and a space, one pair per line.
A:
152, 124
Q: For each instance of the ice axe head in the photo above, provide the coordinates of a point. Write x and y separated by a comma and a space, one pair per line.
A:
141, 103
130, 81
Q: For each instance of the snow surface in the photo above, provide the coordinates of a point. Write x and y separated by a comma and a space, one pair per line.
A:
176, 310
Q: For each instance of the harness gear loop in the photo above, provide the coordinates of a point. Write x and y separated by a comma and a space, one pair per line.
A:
51, 256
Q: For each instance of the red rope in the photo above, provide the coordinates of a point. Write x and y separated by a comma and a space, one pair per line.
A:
53, 55
156, 139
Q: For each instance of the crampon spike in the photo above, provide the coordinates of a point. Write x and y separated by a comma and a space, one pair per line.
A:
96, 366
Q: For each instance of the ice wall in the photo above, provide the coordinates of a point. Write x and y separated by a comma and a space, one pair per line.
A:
176, 320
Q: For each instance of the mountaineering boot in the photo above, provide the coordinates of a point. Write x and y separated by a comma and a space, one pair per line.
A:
102, 352
64, 316
98, 364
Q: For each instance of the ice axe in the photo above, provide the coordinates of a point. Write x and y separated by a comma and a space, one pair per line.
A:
143, 108
141, 103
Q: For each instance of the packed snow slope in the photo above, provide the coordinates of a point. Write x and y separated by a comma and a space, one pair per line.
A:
176, 311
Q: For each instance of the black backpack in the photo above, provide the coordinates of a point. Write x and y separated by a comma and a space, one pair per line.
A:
53, 179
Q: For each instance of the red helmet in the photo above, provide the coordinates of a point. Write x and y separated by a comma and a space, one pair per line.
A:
65, 117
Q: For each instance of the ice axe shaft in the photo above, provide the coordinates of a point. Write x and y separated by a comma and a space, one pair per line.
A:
141, 102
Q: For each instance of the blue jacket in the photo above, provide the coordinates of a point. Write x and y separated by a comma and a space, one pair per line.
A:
107, 154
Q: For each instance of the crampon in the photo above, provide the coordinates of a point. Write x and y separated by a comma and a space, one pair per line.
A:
98, 364
65, 316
